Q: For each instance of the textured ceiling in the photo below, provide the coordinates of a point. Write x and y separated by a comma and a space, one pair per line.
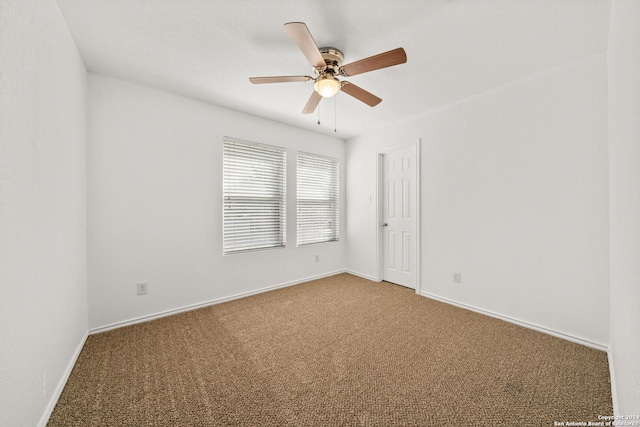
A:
456, 49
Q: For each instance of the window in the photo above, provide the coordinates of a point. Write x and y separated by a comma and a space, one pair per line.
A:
254, 196
317, 205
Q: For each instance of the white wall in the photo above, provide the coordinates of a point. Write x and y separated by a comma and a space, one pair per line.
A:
43, 296
155, 204
514, 197
624, 187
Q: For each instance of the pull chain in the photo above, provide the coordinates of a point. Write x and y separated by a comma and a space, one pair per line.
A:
335, 114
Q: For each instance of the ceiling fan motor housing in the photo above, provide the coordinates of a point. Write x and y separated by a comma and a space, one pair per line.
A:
333, 58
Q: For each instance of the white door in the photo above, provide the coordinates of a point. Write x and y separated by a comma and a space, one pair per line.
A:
399, 216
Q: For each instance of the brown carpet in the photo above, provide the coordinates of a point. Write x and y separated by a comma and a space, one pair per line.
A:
340, 351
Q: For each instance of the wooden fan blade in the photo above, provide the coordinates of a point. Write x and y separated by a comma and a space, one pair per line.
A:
360, 94
300, 34
312, 103
376, 62
279, 79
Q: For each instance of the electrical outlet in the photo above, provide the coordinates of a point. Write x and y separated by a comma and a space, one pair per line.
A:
142, 288
457, 278
317, 258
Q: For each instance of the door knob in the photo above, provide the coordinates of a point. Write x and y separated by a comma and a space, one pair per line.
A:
384, 224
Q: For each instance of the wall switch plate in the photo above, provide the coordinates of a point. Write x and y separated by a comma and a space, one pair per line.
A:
457, 278
317, 258
142, 288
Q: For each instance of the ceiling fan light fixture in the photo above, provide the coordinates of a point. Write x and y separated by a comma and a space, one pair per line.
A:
327, 86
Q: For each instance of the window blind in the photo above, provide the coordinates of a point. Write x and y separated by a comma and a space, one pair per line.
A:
254, 180
317, 199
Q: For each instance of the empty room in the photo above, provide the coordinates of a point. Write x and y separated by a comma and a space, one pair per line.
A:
327, 213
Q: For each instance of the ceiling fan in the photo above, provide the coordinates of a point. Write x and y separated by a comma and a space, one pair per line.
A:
327, 64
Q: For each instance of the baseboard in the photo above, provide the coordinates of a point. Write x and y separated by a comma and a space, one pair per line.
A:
63, 381
533, 326
208, 303
364, 276
612, 380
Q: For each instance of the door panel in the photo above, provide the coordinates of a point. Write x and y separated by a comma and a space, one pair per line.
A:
406, 252
391, 250
406, 199
391, 199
